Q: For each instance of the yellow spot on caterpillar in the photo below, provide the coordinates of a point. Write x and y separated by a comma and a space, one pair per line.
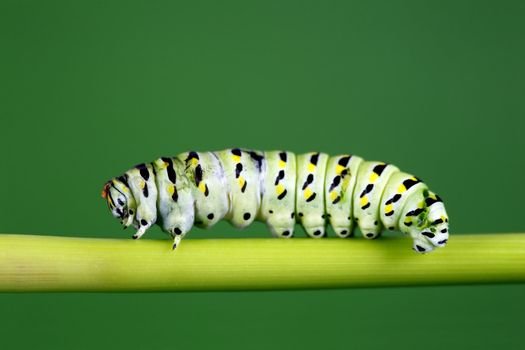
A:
401, 188
241, 181
444, 218
373, 177
364, 201
123, 187
307, 193
413, 178
142, 184
279, 189
236, 159
389, 208
421, 205
311, 167
346, 181
164, 165
339, 169
333, 195
408, 220
194, 161
282, 164
170, 189
202, 187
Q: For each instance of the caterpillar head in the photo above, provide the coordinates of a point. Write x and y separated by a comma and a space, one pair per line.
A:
120, 200
431, 224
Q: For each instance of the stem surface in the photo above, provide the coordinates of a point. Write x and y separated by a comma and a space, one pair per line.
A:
47, 263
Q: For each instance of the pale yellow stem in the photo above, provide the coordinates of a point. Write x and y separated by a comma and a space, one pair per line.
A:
43, 263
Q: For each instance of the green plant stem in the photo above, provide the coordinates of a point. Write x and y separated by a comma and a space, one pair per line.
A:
44, 263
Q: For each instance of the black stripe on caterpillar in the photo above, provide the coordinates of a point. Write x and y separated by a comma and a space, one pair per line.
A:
279, 188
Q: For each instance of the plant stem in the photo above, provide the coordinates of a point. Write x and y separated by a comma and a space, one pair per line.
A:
44, 263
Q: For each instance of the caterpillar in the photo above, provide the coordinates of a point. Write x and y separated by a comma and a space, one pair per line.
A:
280, 189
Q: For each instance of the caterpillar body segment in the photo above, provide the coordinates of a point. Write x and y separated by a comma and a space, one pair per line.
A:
279, 188
278, 197
244, 171
176, 198
372, 179
144, 190
400, 187
309, 204
437, 220
340, 180
209, 185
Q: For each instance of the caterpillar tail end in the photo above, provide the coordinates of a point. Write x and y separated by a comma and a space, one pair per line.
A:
427, 241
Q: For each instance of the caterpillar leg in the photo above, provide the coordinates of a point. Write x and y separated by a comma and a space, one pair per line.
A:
310, 204
176, 241
372, 179
140, 232
278, 197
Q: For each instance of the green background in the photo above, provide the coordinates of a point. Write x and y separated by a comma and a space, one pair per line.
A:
88, 89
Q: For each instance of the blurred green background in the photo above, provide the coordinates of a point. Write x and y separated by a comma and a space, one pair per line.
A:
90, 88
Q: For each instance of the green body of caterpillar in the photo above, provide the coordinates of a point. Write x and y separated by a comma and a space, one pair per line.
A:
280, 189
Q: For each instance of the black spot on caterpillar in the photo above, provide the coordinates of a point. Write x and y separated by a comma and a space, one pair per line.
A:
343, 191
280, 176
172, 176
282, 195
238, 169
